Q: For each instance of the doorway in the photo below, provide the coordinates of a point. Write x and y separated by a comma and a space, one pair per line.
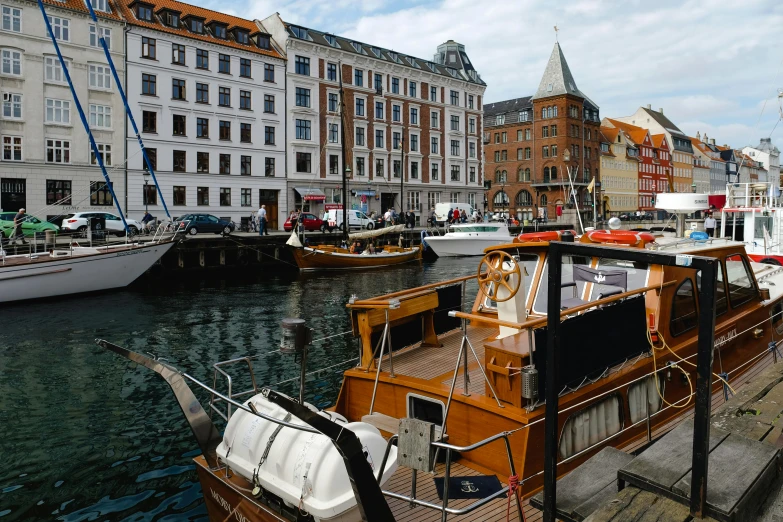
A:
269, 198
13, 194
388, 200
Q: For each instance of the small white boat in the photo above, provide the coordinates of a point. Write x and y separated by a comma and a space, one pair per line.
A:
468, 239
75, 270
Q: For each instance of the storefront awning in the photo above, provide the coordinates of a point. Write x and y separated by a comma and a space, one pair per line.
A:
311, 194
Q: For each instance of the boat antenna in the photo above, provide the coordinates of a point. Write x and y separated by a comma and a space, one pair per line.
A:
346, 226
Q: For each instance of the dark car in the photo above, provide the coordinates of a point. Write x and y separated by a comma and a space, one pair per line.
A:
195, 223
311, 222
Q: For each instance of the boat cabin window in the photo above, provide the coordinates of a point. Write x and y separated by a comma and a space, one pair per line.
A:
591, 426
566, 276
644, 396
529, 264
684, 315
637, 276
741, 286
721, 303
426, 409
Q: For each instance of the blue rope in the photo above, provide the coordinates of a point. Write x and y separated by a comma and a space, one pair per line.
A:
726, 389
773, 347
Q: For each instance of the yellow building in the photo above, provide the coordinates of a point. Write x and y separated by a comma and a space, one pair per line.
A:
619, 172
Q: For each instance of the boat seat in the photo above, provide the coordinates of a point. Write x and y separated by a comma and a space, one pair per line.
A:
615, 278
383, 422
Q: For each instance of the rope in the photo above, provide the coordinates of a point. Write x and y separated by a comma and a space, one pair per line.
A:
513, 484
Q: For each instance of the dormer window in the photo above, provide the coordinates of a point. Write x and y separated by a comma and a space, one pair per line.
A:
171, 19
431, 66
299, 32
219, 31
262, 41
394, 56
331, 40
196, 25
357, 47
376, 51
144, 12
241, 37
100, 5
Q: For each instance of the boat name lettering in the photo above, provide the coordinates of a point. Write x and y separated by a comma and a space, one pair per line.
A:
128, 253
725, 338
226, 506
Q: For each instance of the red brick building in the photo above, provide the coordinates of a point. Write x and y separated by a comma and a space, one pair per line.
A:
525, 143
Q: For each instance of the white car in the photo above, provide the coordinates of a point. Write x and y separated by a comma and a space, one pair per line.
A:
78, 223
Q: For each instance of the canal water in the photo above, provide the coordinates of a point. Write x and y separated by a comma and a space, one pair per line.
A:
85, 435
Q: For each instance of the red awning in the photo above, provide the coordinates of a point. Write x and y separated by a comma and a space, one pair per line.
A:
717, 201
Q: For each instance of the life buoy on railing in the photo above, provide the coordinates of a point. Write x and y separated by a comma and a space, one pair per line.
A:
620, 237
550, 235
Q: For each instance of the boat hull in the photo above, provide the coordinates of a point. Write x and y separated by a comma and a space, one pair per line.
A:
460, 247
308, 259
41, 278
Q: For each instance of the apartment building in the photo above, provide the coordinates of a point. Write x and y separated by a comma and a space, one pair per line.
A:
411, 125
619, 172
652, 178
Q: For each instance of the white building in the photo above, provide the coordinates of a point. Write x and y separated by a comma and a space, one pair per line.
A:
768, 155
406, 118
207, 91
47, 163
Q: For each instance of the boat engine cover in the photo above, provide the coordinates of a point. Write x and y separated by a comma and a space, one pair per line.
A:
300, 464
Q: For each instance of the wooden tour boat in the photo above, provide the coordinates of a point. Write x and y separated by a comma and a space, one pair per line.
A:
461, 392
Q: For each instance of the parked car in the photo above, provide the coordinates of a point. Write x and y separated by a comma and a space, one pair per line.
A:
30, 226
194, 223
311, 222
79, 222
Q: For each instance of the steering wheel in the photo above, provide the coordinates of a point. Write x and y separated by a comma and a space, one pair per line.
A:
494, 273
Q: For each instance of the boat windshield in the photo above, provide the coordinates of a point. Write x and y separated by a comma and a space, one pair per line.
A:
529, 264
567, 276
637, 275
476, 228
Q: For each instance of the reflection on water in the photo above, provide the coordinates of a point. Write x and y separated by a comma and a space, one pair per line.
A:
85, 435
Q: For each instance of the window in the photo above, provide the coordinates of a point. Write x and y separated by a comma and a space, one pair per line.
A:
269, 72
545, 151
95, 39
454, 122
225, 163
433, 94
434, 145
414, 116
179, 161
149, 121
58, 192
472, 178
379, 110
434, 117
202, 93
454, 98
269, 167
143, 12
360, 136
177, 54
380, 142
740, 281
683, 316
245, 101
411, 89
148, 48
553, 151
224, 130
12, 148
202, 162
58, 151
269, 135
104, 149
414, 143
553, 128
61, 28
58, 111
455, 173
197, 26
245, 165
12, 106
100, 116
395, 140
178, 89
303, 162
434, 171
360, 106
224, 96
472, 149
100, 194
358, 77
302, 97
54, 69
333, 132
331, 71
12, 19
302, 66
591, 426
224, 63
396, 113
244, 133
303, 129
219, 31
202, 128
246, 197
455, 147
202, 196
245, 68
100, 77
500, 119
470, 101
152, 155
415, 171
149, 84
360, 166
396, 168
333, 164
179, 196
395, 85
472, 125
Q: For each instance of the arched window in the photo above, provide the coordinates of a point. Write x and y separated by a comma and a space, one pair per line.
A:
524, 198
500, 199
527, 174
497, 176
553, 172
553, 151
504, 177
543, 112
549, 112
521, 174
546, 174
555, 111
543, 200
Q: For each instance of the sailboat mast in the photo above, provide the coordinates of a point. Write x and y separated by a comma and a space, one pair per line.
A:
342, 141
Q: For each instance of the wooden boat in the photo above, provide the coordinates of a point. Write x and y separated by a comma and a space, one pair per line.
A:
628, 341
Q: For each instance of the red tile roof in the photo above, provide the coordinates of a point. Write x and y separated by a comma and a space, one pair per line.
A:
636, 134
658, 140
198, 12
80, 6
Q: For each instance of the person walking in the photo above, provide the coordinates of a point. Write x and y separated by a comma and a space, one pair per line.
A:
464, 216
450, 216
709, 225
432, 221
17, 234
262, 230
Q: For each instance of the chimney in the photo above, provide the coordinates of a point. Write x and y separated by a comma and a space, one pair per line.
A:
712, 141
698, 135
660, 110
649, 106
705, 139
725, 146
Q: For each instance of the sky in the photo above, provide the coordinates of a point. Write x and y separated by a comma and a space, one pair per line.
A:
713, 66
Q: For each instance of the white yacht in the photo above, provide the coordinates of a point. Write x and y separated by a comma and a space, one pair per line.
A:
469, 239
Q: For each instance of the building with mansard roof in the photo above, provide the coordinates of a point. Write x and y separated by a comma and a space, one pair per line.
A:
768, 155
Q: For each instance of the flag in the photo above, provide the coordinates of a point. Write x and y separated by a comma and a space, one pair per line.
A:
591, 185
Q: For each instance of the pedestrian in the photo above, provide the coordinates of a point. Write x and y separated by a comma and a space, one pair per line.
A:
411, 218
432, 219
18, 233
262, 230
464, 216
294, 217
450, 216
387, 217
709, 225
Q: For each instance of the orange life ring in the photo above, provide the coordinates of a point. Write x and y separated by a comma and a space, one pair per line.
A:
551, 235
646, 236
620, 237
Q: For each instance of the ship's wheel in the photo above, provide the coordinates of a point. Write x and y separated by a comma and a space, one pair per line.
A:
492, 275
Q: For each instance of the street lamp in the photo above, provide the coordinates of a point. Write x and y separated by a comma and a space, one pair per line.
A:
146, 196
